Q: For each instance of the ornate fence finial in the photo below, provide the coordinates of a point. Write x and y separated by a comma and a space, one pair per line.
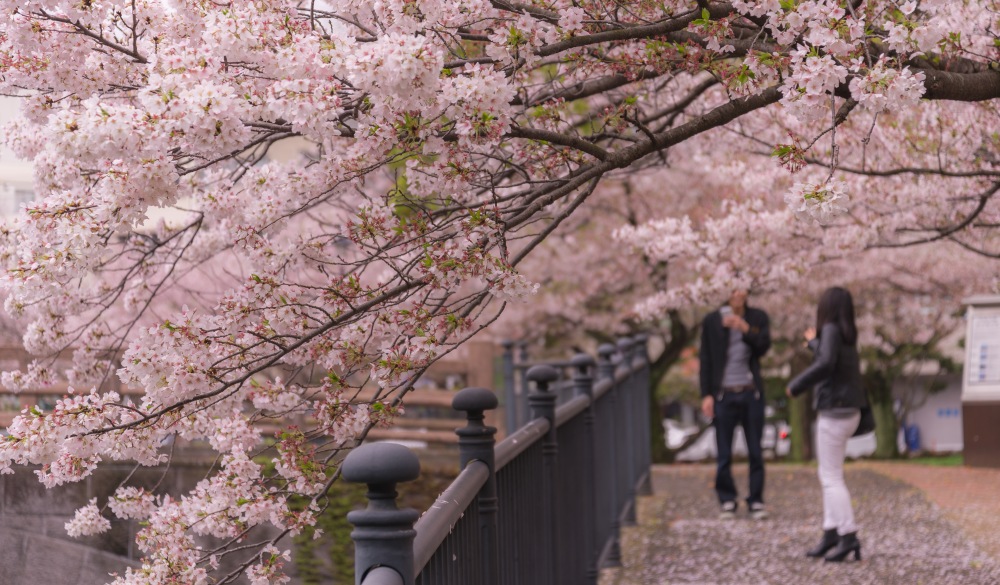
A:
475, 440
523, 353
383, 533
583, 365
543, 401
641, 349
542, 376
605, 367
625, 346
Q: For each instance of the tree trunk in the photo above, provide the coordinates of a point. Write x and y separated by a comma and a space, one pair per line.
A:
798, 419
659, 451
879, 389
800, 414
680, 336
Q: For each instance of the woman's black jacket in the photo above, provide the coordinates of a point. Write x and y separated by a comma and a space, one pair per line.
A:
835, 373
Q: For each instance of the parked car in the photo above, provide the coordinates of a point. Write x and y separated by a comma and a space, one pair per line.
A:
676, 432
775, 441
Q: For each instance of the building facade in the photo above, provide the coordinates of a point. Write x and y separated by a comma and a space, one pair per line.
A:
16, 188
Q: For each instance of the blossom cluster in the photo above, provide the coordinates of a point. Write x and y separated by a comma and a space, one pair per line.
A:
249, 212
822, 201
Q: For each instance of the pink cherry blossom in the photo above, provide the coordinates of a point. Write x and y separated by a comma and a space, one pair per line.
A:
250, 214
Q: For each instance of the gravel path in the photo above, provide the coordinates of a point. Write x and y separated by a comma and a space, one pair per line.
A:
906, 540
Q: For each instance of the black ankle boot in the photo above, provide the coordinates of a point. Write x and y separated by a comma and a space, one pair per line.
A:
829, 540
848, 543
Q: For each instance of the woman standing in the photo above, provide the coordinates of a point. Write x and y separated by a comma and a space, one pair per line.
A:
835, 375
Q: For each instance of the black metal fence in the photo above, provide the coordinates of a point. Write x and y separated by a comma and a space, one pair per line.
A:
515, 363
544, 506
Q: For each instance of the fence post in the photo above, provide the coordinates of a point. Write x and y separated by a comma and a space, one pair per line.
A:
383, 534
606, 370
584, 386
647, 397
475, 443
521, 388
509, 397
628, 437
543, 405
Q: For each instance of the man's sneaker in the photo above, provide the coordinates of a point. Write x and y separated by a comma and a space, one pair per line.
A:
758, 511
728, 511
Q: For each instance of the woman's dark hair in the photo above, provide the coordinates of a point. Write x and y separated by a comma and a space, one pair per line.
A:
836, 306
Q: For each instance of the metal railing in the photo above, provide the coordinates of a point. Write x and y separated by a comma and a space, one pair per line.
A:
544, 506
515, 363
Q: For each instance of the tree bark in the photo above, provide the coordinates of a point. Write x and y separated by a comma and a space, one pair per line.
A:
800, 415
879, 388
680, 337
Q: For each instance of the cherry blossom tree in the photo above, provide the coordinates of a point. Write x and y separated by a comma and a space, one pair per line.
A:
908, 299
589, 283
443, 142
908, 313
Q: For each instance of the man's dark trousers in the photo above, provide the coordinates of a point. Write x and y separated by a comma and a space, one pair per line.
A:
745, 408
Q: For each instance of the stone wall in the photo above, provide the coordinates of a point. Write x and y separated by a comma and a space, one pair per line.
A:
29, 558
34, 546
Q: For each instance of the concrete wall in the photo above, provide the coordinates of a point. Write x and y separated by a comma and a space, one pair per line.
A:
34, 546
31, 558
939, 419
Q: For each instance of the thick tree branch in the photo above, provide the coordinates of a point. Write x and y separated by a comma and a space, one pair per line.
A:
648, 31
561, 139
718, 117
590, 87
962, 87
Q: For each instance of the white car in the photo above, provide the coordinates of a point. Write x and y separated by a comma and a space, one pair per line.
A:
775, 441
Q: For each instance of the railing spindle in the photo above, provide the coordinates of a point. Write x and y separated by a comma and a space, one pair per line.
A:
543, 405
584, 386
476, 442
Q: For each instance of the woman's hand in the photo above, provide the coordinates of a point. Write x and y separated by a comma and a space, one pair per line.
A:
809, 334
788, 392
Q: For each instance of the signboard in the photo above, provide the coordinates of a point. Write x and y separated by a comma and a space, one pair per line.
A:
983, 349
981, 379
981, 383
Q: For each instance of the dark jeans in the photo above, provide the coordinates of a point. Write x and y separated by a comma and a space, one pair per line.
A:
747, 410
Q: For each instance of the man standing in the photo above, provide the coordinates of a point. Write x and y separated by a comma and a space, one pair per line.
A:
733, 339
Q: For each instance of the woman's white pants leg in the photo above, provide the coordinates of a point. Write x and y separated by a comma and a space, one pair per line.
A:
832, 434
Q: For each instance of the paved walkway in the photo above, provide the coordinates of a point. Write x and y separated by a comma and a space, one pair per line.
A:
907, 538
969, 496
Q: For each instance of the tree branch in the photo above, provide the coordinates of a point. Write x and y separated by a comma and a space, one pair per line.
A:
561, 139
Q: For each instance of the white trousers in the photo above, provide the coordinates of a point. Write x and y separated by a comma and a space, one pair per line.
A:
832, 434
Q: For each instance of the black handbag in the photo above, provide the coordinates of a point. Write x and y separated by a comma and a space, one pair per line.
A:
867, 422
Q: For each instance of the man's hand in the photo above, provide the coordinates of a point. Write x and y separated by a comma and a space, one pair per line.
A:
735, 322
708, 407
788, 392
